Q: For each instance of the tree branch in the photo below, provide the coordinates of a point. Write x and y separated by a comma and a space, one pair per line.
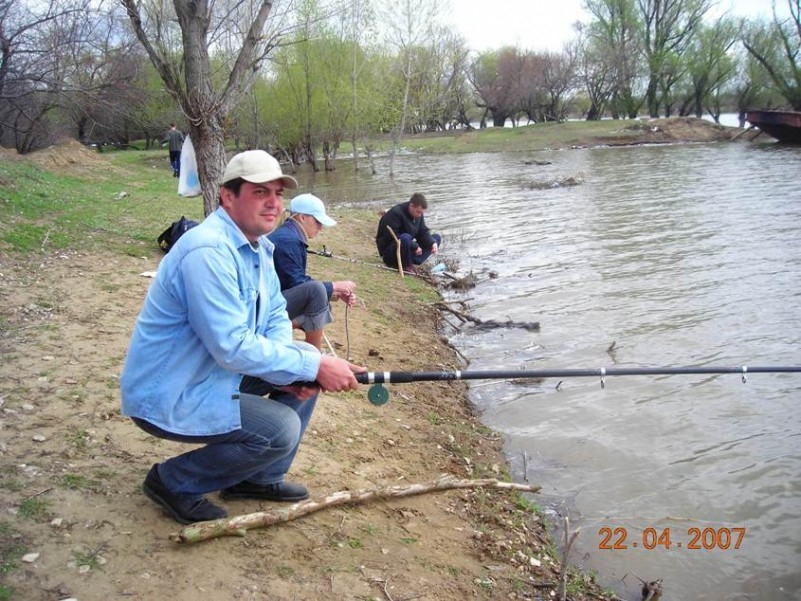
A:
238, 525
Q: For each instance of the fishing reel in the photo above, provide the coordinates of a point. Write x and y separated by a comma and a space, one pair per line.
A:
378, 395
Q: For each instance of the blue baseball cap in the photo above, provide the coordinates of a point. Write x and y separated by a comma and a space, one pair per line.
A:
309, 204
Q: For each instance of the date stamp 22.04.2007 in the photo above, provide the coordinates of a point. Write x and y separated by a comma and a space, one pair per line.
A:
618, 538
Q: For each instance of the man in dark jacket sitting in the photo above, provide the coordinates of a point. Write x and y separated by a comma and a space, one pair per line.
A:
408, 224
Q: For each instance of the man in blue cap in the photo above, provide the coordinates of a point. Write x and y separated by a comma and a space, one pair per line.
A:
307, 300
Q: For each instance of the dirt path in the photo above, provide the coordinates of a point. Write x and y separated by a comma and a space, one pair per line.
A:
71, 466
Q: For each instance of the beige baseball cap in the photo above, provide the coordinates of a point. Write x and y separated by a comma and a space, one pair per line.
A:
257, 167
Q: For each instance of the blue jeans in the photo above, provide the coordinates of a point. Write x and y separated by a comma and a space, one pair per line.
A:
407, 255
261, 451
175, 161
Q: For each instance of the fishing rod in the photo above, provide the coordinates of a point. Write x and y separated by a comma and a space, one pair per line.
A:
378, 395
329, 255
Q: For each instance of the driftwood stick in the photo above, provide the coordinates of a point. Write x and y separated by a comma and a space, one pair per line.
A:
569, 540
238, 525
463, 317
397, 250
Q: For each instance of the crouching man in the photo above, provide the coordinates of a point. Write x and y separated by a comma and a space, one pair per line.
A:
212, 360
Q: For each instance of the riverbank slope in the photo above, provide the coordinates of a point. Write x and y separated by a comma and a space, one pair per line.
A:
75, 252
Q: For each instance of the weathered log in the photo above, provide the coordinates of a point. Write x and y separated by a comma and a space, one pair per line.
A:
239, 525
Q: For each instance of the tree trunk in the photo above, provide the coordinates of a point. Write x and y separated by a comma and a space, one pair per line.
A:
207, 139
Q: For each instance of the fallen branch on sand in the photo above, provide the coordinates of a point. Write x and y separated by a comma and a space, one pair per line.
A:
239, 525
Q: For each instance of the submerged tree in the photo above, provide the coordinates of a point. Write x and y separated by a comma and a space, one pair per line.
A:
668, 27
711, 65
777, 47
613, 58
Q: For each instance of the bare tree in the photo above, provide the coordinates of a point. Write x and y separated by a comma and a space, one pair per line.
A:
560, 79
36, 43
105, 75
496, 77
182, 59
409, 26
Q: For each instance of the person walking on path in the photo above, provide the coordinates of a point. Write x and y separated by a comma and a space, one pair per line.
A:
407, 222
175, 139
212, 362
307, 300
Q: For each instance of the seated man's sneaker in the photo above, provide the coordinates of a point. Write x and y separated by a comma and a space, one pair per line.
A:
285, 492
185, 509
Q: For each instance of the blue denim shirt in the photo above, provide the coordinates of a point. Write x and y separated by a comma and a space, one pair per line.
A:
213, 313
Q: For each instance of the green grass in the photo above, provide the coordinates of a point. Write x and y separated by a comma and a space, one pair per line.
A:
78, 440
80, 482
11, 551
91, 558
34, 508
525, 138
119, 205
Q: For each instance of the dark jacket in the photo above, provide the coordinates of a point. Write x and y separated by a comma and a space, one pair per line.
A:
401, 222
290, 256
175, 138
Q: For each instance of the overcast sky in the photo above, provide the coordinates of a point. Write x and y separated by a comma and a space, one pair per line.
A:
547, 24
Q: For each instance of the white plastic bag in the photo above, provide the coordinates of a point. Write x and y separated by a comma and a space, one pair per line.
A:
188, 180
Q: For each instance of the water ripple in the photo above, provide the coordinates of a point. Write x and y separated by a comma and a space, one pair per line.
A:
680, 255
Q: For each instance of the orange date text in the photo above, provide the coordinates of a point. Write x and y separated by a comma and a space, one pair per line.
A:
618, 539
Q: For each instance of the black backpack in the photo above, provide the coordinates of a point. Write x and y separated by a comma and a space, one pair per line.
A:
170, 236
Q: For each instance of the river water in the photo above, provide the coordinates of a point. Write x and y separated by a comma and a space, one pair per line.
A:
670, 256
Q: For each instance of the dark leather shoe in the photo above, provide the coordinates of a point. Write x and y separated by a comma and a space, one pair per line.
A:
283, 492
185, 509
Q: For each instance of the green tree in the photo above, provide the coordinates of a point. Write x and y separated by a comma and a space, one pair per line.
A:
751, 86
614, 58
711, 65
668, 27
777, 48
357, 25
